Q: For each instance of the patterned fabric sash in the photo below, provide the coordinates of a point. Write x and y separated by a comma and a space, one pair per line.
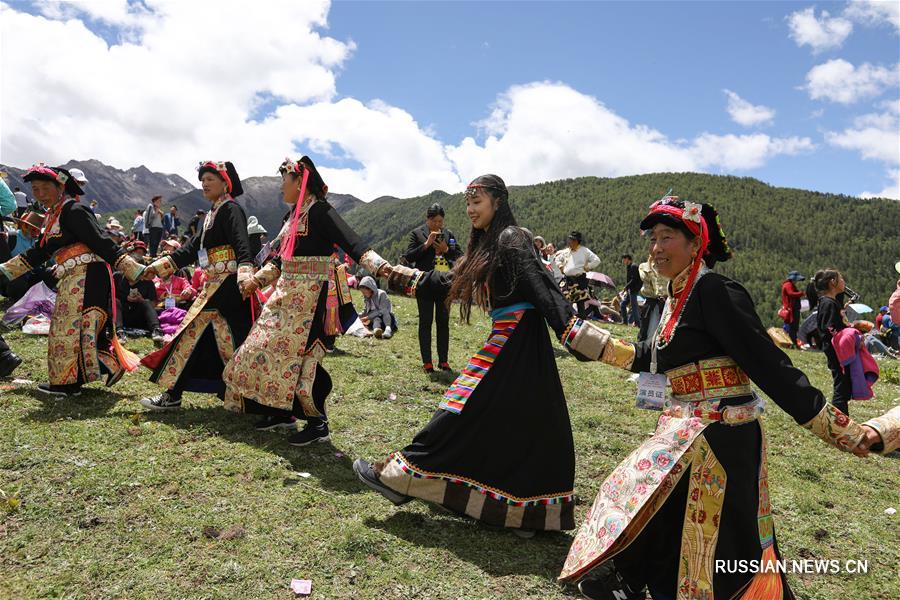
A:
712, 378
70, 251
306, 267
505, 321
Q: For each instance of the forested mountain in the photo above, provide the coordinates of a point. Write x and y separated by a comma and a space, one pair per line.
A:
772, 230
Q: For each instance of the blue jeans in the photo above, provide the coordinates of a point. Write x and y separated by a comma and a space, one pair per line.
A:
634, 315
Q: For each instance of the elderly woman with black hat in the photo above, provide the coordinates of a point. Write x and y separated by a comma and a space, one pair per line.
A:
499, 449
220, 318
278, 370
696, 492
81, 348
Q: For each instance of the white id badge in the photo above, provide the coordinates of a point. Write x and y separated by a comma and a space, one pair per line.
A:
202, 258
170, 302
651, 392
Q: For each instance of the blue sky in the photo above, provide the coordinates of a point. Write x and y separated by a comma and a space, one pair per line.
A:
402, 98
663, 64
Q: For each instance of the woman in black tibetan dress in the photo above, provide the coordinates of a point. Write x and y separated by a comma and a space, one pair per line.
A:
696, 492
500, 447
82, 346
220, 318
278, 370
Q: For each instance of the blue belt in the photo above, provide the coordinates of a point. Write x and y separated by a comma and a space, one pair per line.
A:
499, 313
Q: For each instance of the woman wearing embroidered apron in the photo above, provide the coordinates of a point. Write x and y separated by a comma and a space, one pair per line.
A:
219, 319
278, 370
696, 492
500, 447
80, 349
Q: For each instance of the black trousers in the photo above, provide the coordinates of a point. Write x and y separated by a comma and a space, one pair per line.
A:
139, 315
156, 234
4, 347
433, 309
320, 390
843, 385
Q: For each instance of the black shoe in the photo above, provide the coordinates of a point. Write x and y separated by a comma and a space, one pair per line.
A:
313, 432
367, 475
272, 423
606, 583
60, 391
164, 401
444, 366
8, 363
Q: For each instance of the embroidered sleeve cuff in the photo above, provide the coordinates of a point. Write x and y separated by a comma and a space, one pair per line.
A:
267, 275
371, 261
164, 266
618, 353
586, 339
405, 280
16, 267
244, 272
888, 427
836, 428
129, 267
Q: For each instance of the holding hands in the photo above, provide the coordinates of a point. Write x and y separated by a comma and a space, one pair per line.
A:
148, 274
248, 286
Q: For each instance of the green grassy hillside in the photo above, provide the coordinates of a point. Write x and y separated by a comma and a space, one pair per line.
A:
772, 230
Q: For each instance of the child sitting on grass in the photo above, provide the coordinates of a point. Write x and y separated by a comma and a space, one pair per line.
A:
377, 314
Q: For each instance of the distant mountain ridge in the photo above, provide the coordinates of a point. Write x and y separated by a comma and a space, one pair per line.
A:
115, 189
261, 198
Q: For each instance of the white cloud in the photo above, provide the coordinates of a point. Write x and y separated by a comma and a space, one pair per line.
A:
875, 136
185, 83
839, 81
875, 13
746, 114
544, 131
819, 33
891, 190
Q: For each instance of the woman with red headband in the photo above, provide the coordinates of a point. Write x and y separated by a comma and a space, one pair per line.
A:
696, 492
83, 345
220, 318
278, 370
499, 449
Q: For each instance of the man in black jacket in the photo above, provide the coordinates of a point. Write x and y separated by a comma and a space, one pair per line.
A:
433, 248
632, 289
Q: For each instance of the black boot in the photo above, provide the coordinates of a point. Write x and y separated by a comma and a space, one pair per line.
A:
8, 363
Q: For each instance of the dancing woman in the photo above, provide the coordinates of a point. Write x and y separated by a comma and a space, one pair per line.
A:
696, 492
82, 346
220, 318
278, 370
500, 447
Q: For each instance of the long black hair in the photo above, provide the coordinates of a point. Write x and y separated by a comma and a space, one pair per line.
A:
474, 270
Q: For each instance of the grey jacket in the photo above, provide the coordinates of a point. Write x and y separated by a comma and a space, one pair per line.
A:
379, 305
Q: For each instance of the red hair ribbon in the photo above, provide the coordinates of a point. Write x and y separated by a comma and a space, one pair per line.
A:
287, 246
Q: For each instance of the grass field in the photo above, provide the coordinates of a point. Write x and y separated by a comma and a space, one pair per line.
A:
104, 500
